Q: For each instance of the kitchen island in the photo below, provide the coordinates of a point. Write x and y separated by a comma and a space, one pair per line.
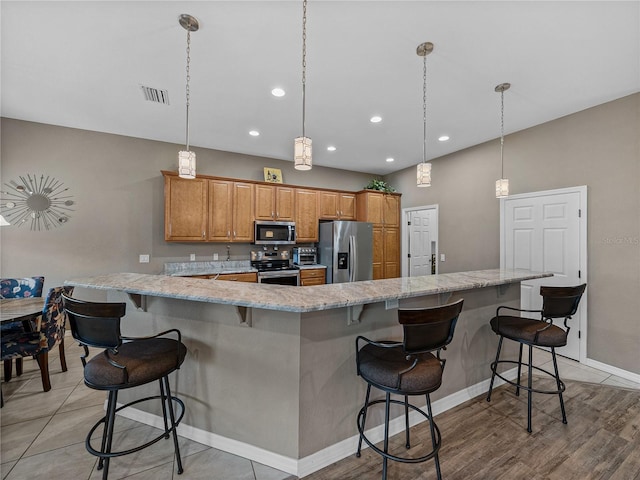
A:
270, 373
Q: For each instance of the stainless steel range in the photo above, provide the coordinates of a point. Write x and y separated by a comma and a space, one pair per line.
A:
275, 268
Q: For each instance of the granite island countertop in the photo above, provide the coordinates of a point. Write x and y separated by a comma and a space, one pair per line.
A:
301, 299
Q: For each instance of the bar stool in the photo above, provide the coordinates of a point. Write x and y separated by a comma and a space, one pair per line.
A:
557, 302
407, 368
125, 363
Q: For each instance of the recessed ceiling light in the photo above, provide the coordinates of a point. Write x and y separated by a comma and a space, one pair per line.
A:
254, 133
277, 92
376, 119
390, 159
443, 138
331, 148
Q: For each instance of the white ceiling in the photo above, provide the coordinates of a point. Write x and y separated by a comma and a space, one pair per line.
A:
81, 64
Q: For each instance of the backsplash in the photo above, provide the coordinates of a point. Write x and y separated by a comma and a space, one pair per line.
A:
186, 267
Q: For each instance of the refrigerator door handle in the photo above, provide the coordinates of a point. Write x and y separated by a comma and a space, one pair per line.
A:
353, 258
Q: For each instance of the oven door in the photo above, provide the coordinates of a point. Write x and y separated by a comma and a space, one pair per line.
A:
283, 277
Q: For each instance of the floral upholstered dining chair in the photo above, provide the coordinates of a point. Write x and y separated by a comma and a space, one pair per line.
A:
48, 332
21, 287
18, 288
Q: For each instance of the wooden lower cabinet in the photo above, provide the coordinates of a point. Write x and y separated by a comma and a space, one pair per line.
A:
378, 253
386, 256
391, 240
312, 276
238, 277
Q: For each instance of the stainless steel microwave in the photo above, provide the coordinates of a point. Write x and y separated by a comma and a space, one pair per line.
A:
274, 233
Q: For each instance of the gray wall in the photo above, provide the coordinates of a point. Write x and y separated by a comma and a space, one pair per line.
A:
119, 193
598, 147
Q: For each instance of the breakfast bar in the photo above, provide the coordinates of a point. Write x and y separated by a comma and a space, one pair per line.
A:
270, 374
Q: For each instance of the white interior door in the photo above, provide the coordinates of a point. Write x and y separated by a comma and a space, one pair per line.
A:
422, 236
546, 232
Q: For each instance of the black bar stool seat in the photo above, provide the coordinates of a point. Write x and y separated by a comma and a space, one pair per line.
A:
125, 363
407, 368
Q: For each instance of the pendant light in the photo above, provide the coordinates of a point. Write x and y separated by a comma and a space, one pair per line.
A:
186, 158
302, 145
424, 168
502, 185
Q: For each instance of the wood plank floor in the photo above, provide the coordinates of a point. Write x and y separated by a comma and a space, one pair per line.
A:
489, 441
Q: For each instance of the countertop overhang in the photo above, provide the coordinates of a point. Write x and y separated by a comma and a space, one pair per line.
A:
301, 299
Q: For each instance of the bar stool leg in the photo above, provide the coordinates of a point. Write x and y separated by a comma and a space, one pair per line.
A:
494, 366
519, 371
163, 398
559, 384
433, 437
364, 418
386, 436
107, 435
530, 385
173, 425
406, 421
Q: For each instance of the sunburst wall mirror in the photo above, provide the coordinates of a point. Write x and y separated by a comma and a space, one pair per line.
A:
43, 202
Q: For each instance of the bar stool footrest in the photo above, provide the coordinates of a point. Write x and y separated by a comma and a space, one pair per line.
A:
494, 367
396, 458
165, 434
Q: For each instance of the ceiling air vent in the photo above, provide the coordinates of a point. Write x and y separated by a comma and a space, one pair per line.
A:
155, 95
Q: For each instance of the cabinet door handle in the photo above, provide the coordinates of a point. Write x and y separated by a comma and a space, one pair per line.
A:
228, 233
277, 215
203, 235
234, 234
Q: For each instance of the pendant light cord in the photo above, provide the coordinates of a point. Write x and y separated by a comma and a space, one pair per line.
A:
502, 134
187, 91
424, 110
304, 62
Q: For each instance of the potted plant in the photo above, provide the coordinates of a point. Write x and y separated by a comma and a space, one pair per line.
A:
380, 185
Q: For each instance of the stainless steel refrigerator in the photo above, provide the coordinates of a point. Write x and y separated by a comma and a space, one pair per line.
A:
346, 249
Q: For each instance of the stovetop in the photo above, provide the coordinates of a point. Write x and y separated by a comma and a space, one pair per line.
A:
270, 265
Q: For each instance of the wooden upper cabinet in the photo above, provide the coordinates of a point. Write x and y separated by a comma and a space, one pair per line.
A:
220, 219
371, 207
274, 203
379, 208
242, 215
185, 209
306, 217
230, 211
336, 205
391, 213
348, 206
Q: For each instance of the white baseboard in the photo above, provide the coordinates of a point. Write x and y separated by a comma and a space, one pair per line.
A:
633, 377
327, 456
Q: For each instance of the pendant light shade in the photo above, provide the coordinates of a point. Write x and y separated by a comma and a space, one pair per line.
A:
502, 185
424, 174
502, 188
424, 168
186, 164
187, 158
302, 153
302, 145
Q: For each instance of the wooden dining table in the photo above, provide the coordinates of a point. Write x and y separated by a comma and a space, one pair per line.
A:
20, 309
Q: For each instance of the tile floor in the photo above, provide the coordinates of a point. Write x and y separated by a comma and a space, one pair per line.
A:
42, 434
